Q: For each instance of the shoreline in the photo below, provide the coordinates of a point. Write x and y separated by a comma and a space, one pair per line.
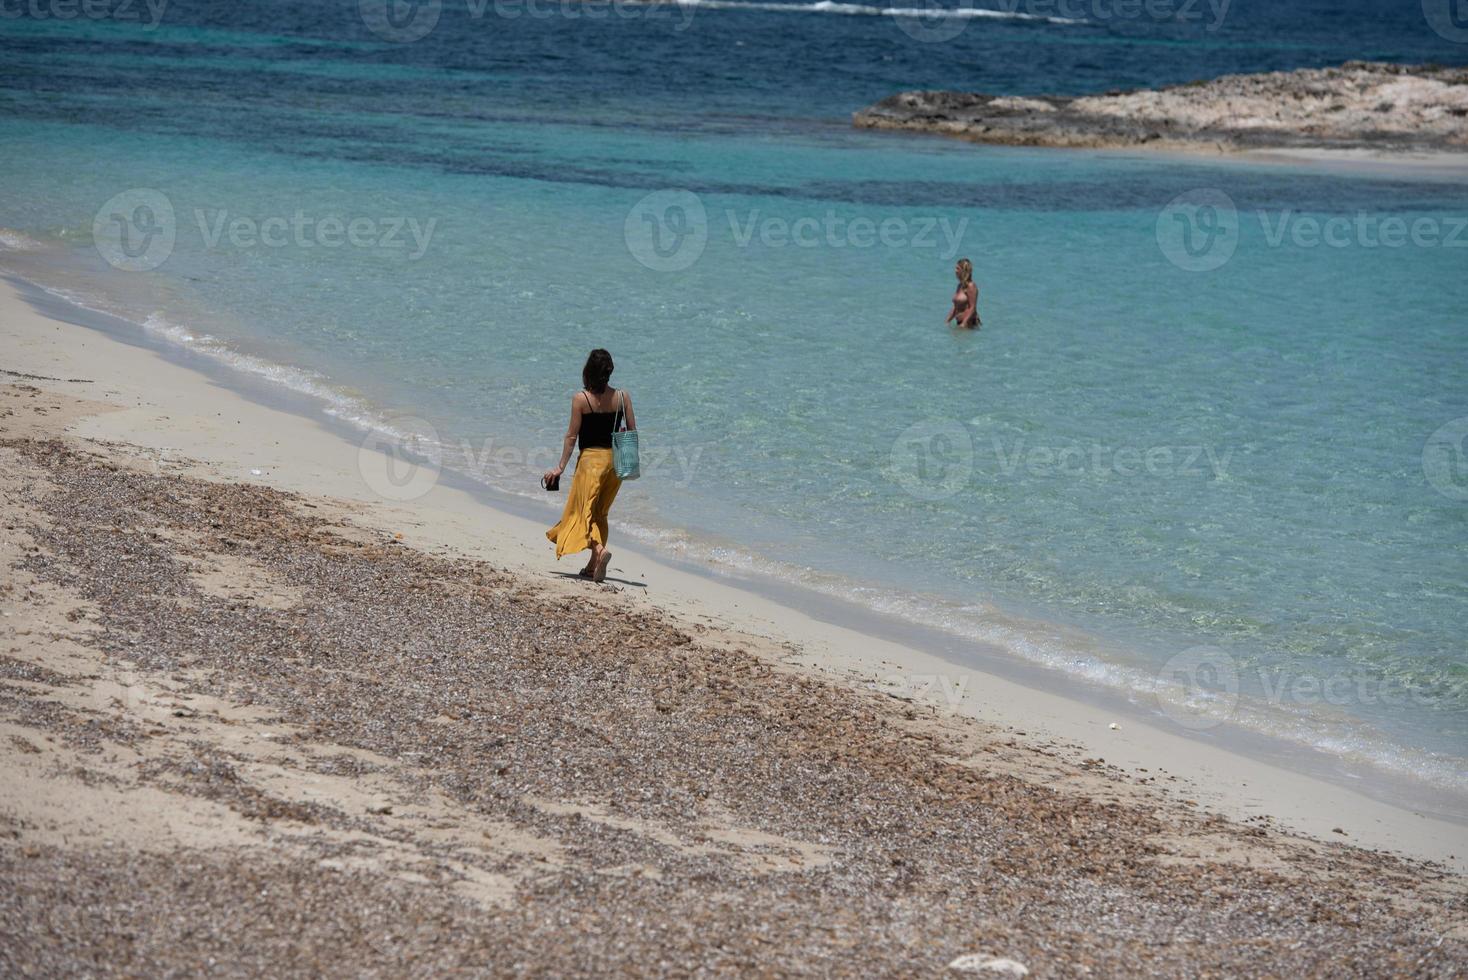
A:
1436, 164
1020, 646
247, 729
308, 456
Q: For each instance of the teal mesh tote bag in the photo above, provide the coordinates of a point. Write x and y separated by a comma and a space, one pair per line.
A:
624, 446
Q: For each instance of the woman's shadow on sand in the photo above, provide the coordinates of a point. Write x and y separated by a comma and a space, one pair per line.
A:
608, 579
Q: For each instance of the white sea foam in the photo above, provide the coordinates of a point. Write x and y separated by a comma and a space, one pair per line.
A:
14, 241
861, 10
334, 401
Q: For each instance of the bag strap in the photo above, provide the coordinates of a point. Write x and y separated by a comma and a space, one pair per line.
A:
621, 410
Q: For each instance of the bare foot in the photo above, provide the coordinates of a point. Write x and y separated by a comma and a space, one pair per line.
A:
601, 565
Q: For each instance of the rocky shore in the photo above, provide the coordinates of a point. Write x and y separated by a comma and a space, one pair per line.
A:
1387, 108
244, 733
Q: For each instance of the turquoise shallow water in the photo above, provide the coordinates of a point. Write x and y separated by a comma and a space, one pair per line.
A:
1179, 427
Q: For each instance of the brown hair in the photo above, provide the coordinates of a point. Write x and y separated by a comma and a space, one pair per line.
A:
598, 371
967, 268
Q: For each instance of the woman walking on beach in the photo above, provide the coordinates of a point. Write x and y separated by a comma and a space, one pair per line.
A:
965, 312
595, 412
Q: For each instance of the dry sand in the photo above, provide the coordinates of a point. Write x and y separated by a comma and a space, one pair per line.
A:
271, 725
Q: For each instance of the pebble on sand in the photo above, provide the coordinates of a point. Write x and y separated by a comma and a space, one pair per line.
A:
981, 963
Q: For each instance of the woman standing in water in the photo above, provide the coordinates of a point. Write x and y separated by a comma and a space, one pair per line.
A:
965, 312
595, 412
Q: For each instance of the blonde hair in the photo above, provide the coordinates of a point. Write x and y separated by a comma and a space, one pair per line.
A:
966, 269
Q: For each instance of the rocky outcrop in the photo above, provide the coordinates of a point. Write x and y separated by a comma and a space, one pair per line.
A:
1360, 105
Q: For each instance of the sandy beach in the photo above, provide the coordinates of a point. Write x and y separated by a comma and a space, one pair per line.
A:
259, 720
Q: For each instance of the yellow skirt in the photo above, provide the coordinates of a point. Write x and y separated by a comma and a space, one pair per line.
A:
593, 489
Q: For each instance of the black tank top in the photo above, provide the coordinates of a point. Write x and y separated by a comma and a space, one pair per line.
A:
596, 428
